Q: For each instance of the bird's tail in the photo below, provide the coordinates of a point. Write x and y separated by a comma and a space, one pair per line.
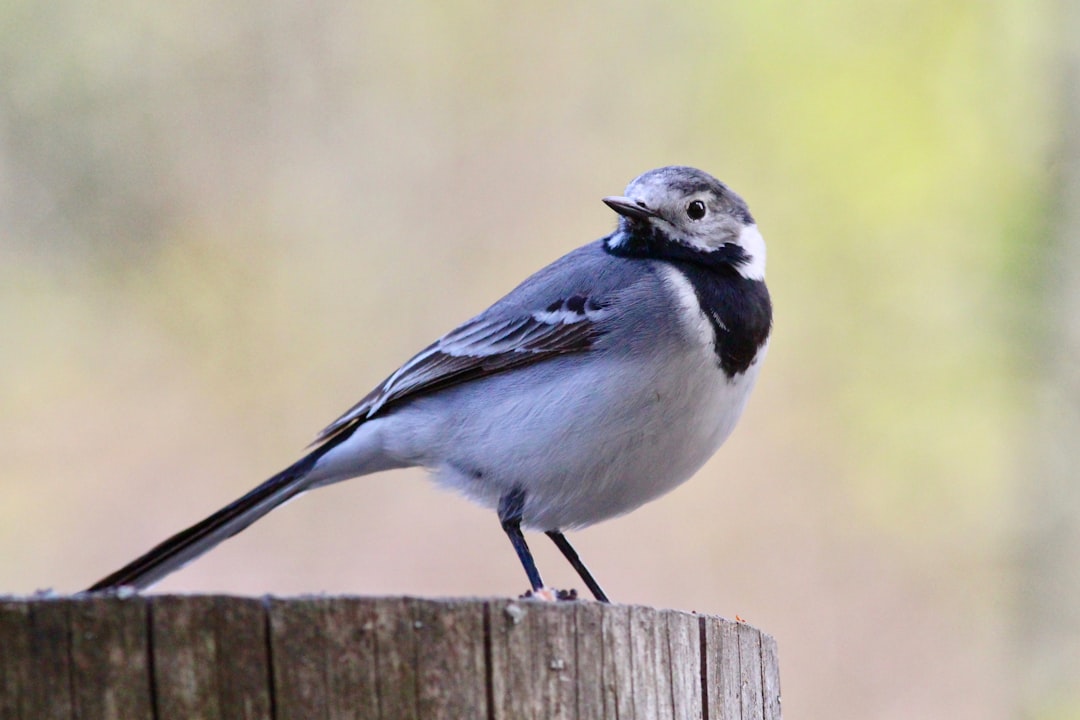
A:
185, 546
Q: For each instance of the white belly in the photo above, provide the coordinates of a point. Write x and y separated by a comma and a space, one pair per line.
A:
595, 448
648, 447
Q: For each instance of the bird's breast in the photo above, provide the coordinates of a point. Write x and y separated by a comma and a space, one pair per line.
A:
730, 313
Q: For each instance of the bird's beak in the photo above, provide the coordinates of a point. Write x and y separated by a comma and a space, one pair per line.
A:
629, 208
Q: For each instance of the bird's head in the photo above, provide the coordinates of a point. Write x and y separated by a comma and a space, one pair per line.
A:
682, 213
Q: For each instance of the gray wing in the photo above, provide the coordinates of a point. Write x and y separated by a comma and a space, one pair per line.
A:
505, 337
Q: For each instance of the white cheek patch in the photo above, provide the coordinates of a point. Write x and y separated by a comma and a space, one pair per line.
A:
750, 240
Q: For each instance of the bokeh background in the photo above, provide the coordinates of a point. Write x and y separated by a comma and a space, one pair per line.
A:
221, 223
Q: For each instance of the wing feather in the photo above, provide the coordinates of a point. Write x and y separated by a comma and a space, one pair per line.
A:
478, 348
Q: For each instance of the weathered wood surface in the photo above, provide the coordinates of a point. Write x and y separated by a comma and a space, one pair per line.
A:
163, 657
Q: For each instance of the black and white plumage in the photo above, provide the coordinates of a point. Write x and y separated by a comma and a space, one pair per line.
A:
598, 384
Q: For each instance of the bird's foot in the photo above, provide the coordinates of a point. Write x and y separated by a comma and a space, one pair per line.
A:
551, 595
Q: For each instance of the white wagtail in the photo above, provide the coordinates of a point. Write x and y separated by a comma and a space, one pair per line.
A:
598, 384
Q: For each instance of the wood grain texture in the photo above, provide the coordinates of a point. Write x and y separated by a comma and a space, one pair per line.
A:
396, 658
770, 678
750, 672
210, 658
333, 658
110, 659
722, 669
589, 652
298, 650
16, 660
50, 652
534, 663
35, 659
684, 644
617, 670
451, 666
351, 669
650, 665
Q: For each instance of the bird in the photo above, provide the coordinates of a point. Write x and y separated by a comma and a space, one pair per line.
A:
601, 382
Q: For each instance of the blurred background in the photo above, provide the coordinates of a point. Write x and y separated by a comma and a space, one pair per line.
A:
222, 223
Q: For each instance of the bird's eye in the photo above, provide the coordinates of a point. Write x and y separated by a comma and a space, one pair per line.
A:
696, 210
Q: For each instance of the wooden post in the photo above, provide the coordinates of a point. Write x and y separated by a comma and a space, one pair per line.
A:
161, 657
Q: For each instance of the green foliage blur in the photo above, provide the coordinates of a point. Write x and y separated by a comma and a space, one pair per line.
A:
222, 223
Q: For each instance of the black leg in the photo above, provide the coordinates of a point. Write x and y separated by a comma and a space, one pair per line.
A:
571, 554
511, 506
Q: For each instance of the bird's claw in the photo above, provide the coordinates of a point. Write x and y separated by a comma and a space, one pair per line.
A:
551, 595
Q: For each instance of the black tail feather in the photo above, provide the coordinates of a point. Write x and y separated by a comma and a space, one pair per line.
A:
185, 546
